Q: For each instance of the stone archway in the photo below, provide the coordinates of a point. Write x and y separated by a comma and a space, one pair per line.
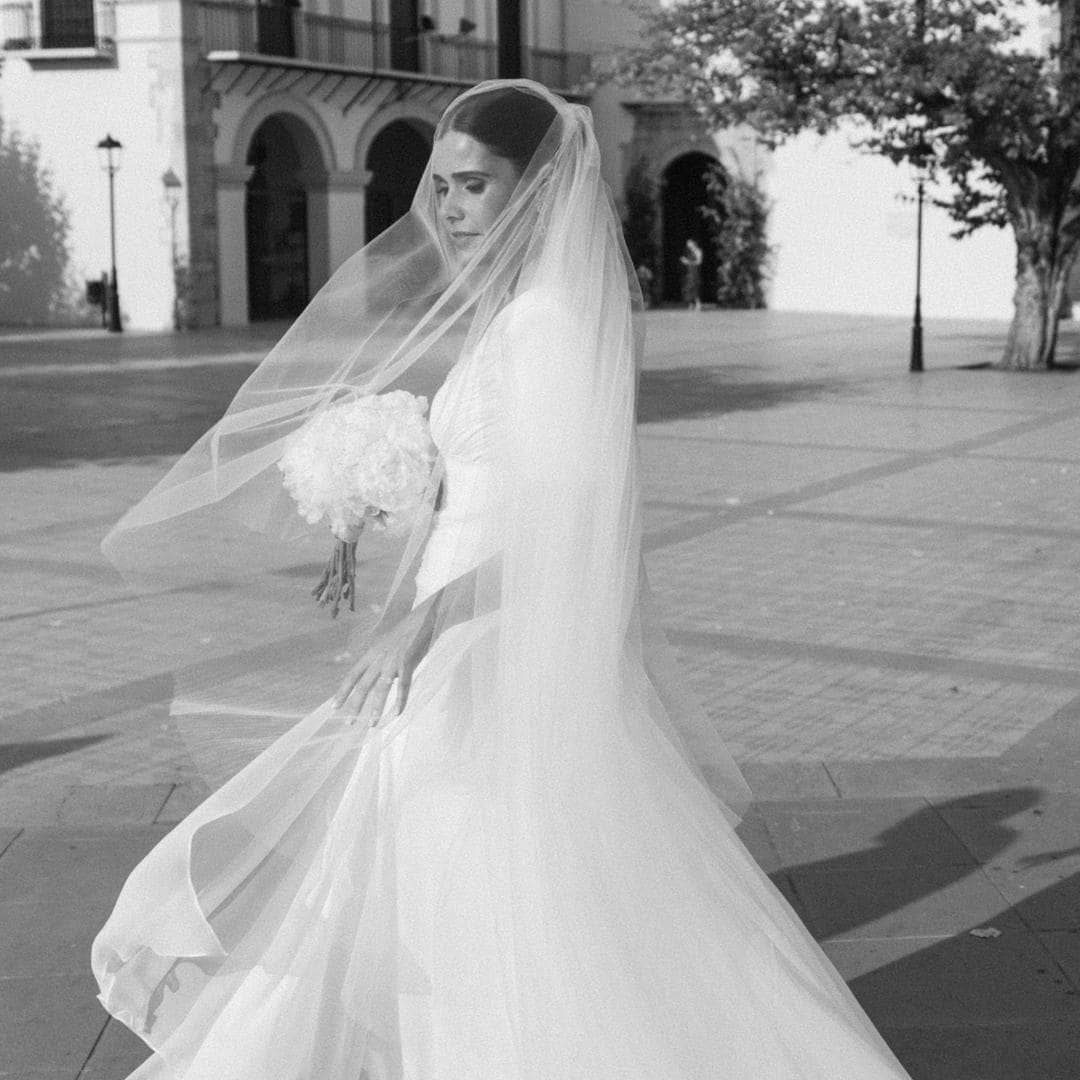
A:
281, 237
682, 192
395, 160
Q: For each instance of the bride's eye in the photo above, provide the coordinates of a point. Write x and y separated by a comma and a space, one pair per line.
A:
441, 190
475, 187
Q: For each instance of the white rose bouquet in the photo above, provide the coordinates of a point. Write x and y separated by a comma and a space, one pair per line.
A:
365, 460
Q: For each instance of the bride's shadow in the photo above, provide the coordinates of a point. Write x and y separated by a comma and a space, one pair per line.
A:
959, 932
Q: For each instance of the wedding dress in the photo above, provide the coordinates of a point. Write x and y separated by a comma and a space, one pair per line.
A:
523, 876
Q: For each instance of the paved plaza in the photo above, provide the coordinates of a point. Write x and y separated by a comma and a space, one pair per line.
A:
871, 578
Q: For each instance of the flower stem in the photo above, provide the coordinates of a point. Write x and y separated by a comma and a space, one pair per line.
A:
338, 581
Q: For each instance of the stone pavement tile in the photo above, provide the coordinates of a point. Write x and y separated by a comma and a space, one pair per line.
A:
993, 491
848, 422
113, 804
45, 865
50, 938
730, 474
951, 777
1030, 845
961, 980
118, 1053
898, 902
1064, 947
778, 780
1048, 442
1023, 1051
1014, 824
862, 833
48, 1022
27, 801
754, 833
883, 587
183, 798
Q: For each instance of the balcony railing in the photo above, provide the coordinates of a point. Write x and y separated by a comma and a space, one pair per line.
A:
59, 25
559, 70
277, 30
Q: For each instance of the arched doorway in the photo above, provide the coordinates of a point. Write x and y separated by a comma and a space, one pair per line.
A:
396, 160
282, 152
682, 193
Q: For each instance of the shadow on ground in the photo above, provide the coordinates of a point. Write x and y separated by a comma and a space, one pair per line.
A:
13, 755
699, 392
1001, 1003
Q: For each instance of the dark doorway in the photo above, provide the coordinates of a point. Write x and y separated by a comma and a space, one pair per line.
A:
397, 159
405, 35
682, 192
275, 24
508, 14
67, 24
277, 225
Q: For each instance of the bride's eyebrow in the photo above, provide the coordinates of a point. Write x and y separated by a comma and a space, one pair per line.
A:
471, 174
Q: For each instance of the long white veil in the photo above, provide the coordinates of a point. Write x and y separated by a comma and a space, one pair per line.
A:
588, 871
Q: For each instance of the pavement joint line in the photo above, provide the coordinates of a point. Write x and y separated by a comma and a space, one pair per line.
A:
832, 780
52, 527
100, 367
7, 847
904, 462
155, 689
1050, 532
745, 645
65, 567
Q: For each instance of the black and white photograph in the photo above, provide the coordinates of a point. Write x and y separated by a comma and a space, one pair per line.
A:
540, 540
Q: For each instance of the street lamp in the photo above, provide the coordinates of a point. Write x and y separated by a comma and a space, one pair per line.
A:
109, 150
916, 361
172, 186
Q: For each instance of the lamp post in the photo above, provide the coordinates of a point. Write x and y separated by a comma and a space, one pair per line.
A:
109, 150
172, 185
916, 361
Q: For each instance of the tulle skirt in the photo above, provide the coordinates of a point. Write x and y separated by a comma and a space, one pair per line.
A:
342, 909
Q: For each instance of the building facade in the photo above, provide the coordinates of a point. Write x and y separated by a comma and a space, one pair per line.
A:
292, 131
295, 132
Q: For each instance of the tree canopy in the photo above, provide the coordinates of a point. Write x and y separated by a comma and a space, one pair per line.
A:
33, 236
958, 87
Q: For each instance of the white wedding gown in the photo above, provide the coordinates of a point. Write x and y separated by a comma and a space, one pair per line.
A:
334, 913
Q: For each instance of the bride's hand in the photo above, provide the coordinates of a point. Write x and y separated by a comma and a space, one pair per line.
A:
392, 656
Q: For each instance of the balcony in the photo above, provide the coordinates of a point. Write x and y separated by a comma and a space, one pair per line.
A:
278, 30
59, 29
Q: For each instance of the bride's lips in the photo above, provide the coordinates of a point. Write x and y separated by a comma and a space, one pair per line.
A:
463, 235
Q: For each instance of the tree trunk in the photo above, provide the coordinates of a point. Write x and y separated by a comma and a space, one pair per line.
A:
1042, 270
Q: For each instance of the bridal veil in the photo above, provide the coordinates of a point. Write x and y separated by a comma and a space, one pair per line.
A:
581, 908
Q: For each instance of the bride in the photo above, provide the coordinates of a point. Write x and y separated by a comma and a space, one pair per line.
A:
492, 855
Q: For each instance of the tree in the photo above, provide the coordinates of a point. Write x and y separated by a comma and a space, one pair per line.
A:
33, 236
736, 214
947, 85
640, 226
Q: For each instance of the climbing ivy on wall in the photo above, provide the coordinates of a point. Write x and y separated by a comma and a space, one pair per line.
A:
736, 215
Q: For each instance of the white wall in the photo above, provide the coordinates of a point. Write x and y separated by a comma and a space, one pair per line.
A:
847, 243
68, 109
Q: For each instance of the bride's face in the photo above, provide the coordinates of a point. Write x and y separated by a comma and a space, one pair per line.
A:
472, 187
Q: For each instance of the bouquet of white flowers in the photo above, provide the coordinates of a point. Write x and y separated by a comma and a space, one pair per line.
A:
366, 460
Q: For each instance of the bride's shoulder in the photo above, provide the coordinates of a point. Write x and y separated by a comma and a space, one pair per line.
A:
532, 310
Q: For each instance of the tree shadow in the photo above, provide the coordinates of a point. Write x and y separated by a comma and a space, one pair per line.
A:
13, 755
699, 392
1001, 1003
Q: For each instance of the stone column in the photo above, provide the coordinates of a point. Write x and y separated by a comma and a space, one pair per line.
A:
232, 243
345, 204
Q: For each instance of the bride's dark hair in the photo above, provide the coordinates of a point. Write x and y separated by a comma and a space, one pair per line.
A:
509, 122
